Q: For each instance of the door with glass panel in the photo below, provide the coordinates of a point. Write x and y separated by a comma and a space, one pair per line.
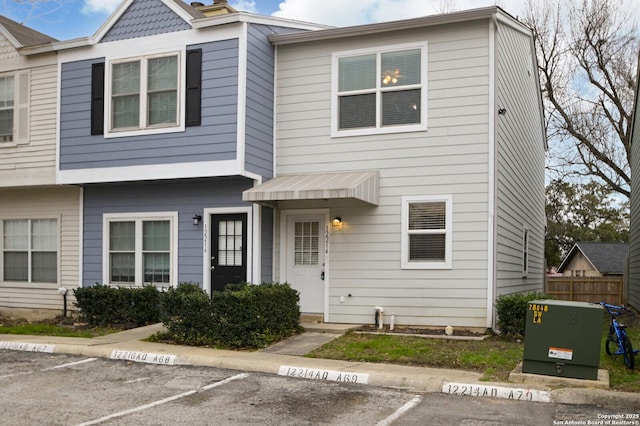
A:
228, 250
305, 258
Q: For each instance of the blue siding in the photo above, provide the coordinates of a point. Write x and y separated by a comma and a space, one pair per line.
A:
266, 252
214, 140
145, 18
186, 197
259, 110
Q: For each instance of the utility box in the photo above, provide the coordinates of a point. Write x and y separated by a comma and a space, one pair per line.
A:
563, 339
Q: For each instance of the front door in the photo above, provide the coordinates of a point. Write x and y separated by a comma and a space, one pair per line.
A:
305, 260
228, 250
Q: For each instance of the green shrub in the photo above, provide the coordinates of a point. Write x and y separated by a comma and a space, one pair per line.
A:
256, 315
188, 315
512, 312
102, 305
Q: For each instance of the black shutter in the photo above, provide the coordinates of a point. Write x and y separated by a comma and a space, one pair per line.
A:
193, 95
97, 99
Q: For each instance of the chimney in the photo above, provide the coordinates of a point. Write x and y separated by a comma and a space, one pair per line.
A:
219, 1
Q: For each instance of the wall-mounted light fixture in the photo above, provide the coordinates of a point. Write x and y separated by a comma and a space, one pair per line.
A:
502, 111
196, 219
336, 222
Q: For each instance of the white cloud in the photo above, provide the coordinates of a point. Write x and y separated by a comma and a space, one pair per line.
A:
99, 6
342, 13
244, 5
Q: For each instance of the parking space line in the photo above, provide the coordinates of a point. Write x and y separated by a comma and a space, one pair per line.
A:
70, 364
165, 400
15, 374
142, 379
49, 368
401, 411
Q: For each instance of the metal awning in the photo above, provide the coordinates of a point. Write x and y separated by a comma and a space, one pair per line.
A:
361, 186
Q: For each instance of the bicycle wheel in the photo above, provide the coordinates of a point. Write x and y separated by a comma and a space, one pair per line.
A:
611, 340
628, 352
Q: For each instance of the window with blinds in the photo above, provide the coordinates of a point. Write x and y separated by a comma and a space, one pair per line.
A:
426, 235
306, 246
144, 93
525, 251
427, 231
230, 243
30, 250
140, 249
380, 90
6, 108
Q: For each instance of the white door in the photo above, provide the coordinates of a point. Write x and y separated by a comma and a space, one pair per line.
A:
305, 259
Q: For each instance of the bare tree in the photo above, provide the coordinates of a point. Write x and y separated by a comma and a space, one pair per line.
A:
587, 60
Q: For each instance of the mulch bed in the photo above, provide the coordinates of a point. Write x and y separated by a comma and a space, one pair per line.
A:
419, 330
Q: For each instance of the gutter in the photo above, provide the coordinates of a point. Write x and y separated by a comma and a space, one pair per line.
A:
425, 21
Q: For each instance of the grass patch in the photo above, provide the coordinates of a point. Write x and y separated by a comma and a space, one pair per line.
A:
59, 327
620, 377
494, 357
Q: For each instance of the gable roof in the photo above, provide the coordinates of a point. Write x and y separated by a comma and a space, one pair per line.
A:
182, 11
606, 258
20, 35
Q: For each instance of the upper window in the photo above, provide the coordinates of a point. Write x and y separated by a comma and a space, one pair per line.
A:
6, 108
379, 92
30, 250
144, 93
426, 232
140, 250
525, 251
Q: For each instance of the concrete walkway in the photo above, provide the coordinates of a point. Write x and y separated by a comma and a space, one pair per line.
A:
285, 357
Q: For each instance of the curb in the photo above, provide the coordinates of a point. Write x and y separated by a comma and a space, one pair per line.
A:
416, 379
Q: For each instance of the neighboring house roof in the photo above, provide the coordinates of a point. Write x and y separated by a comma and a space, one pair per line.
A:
606, 258
20, 35
195, 14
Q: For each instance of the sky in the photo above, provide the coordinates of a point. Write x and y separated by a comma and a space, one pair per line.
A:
69, 19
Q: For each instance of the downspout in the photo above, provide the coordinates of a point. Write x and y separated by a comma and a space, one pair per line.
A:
491, 232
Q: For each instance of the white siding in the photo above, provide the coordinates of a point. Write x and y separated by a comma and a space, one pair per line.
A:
451, 157
6, 49
633, 281
519, 165
62, 203
33, 163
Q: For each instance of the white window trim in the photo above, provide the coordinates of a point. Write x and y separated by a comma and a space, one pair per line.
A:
29, 281
526, 236
172, 217
404, 240
379, 129
144, 129
21, 108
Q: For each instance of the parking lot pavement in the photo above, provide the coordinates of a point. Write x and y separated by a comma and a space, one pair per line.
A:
58, 389
284, 359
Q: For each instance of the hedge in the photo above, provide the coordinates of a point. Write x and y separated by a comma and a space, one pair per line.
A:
512, 312
241, 316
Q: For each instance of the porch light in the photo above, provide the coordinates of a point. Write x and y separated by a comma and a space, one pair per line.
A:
336, 221
196, 219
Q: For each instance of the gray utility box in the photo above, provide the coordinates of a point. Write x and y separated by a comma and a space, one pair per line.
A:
563, 339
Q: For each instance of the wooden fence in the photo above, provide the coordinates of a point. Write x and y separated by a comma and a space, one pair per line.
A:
586, 289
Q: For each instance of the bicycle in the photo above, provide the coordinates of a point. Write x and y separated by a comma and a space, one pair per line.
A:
618, 343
